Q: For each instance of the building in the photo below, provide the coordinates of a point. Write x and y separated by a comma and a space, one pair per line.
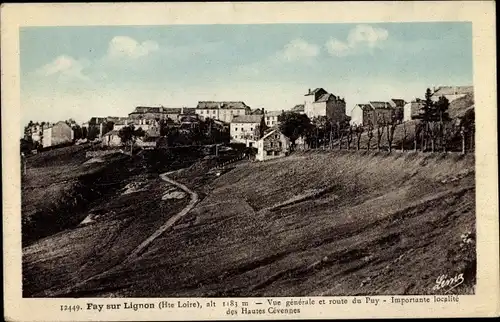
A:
398, 105
272, 145
222, 110
111, 139
57, 134
117, 126
412, 110
451, 92
321, 103
244, 129
272, 118
299, 109
381, 113
149, 113
360, 114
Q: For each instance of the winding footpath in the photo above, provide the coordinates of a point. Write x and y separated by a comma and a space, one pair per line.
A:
169, 223
136, 253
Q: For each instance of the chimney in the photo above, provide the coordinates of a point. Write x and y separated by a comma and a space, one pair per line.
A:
433, 89
309, 91
182, 110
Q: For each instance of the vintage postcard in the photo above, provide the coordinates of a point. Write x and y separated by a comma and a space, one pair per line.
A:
213, 161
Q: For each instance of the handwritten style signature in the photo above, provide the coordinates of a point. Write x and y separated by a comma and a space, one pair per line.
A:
444, 281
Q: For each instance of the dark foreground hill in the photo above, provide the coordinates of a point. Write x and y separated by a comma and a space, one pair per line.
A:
329, 223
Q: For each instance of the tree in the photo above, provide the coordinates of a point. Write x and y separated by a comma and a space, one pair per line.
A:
418, 133
370, 134
128, 135
405, 135
107, 127
391, 128
350, 133
294, 126
77, 132
380, 132
359, 131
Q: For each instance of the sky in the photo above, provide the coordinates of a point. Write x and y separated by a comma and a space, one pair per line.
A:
81, 72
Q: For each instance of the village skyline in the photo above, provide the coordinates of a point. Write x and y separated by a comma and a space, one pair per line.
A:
102, 71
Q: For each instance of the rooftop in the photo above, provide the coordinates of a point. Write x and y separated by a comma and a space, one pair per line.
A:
380, 105
453, 90
247, 119
222, 104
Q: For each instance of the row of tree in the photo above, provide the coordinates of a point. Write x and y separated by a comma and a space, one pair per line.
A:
432, 131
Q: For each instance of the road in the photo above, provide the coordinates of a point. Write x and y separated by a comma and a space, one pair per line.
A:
136, 253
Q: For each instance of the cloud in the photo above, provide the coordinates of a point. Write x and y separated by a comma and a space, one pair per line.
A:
123, 46
65, 67
359, 38
298, 49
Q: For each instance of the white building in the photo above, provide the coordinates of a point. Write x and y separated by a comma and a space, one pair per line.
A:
272, 118
243, 129
412, 110
111, 139
321, 103
360, 113
221, 110
56, 134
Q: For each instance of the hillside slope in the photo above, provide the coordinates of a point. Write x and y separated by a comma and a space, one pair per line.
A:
336, 223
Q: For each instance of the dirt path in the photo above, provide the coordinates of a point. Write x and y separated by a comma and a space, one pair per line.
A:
140, 249
169, 223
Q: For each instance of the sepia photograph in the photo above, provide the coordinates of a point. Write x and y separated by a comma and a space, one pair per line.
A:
248, 160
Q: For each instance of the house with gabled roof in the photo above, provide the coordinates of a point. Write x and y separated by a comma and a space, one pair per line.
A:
299, 109
321, 103
360, 114
272, 145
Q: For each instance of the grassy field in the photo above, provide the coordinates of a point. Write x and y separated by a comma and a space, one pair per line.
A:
323, 223
59, 185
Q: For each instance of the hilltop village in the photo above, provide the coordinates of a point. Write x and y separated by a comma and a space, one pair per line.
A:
234, 122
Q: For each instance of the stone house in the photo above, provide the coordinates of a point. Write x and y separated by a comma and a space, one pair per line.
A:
272, 145
57, 134
243, 129
380, 113
321, 103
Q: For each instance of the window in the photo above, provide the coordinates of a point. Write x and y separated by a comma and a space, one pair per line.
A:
271, 144
269, 152
280, 144
251, 129
213, 112
236, 129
